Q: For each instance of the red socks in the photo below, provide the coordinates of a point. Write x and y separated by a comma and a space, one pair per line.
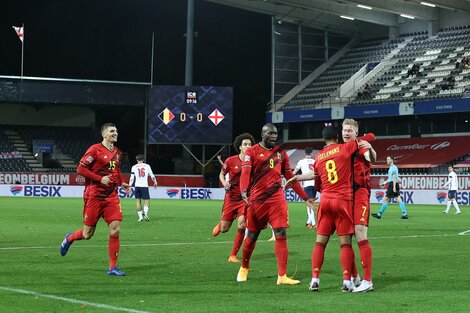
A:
282, 254
237, 242
77, 235
354, 268
248, 247
366, 258
346, 259
318, 255
113, 249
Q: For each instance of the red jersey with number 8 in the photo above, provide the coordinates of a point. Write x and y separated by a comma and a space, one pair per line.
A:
334, 165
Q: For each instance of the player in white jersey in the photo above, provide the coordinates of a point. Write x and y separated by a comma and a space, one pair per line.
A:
140, 172
306, 165
453, 187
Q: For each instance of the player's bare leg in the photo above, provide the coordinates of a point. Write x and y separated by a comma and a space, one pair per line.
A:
221, 227
138, 205
146, 210
273, 237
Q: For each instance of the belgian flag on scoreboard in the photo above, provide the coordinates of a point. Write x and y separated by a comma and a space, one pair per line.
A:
166, 116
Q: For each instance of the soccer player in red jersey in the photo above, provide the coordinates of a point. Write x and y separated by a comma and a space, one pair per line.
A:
100, 166
263, 165
361, 206
333, 168
234, 206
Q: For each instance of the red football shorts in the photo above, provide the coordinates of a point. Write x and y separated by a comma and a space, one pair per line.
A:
231, 210
335, 214
361, 208
109, 209
273, 211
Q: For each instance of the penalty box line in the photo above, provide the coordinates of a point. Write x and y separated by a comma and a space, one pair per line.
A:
69, 300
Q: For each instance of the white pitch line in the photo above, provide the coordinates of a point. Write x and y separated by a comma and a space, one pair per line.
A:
75, 301
223, 242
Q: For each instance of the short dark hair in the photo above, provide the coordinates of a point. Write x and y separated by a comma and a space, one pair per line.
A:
106, 126
391, 157
238, 140
329, 132
140, 157
308, 150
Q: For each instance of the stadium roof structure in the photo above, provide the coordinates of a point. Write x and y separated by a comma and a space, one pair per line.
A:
339, 14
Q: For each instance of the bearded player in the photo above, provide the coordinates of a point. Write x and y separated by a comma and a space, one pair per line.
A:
260, 186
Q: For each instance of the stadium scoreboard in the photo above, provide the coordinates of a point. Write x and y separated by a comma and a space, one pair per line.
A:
190, 115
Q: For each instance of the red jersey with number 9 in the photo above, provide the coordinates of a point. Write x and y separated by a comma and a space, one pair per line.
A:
103, 162
267, 166
334, 165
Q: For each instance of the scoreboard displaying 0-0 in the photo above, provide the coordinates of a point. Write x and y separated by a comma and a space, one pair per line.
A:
190, 115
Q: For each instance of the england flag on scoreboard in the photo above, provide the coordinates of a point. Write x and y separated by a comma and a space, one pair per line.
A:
20, 32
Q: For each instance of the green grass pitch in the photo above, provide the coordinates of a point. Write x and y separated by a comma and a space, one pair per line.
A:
174, 265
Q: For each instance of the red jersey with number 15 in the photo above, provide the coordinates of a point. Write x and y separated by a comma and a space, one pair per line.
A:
267, 165
103, 162
334, 165
233, 166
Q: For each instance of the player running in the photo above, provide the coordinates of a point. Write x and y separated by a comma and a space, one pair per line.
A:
234, 206
100, 166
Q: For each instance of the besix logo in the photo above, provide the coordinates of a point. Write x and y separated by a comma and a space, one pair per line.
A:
441, 196
172, 193
15, 190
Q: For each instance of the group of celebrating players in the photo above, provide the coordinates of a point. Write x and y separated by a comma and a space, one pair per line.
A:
255, 197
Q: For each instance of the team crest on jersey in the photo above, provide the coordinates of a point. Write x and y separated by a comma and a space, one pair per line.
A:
89, 159
279, 155
247, 158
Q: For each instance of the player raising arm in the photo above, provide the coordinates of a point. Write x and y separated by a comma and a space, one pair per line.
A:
333, 172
